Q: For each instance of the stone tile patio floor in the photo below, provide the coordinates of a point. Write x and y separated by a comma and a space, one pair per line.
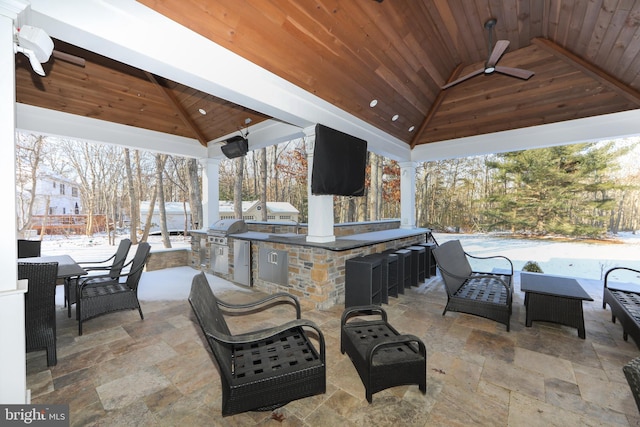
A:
158, 372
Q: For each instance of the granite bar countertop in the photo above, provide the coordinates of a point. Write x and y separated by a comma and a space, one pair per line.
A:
342, 243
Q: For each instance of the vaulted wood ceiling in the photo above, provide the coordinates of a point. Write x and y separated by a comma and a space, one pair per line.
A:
585, 55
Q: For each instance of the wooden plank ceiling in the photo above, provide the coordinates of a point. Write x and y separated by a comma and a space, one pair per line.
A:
585, 56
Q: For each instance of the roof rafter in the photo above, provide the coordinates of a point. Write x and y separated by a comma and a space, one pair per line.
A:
184, 116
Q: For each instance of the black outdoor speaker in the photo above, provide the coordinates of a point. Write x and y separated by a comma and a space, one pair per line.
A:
236, 146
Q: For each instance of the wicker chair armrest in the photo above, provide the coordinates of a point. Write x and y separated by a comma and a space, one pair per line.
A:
263, 303
251, 337
492, 257
97, 262
392, 341
606, 276
88, 281
362, 310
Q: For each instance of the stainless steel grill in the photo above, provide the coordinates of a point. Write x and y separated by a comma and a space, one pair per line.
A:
219, 230
218, 243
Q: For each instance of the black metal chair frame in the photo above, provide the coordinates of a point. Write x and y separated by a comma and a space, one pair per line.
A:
104, 294
114, 265
40, 307
264, 369
483, 294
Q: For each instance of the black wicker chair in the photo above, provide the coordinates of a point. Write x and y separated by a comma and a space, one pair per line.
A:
113, 265
40, 307
28, 248
104, 294
632, 373
264, 369
482, 294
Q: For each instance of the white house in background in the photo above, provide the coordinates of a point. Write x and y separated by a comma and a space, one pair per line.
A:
276, 211
178, 216
55, 195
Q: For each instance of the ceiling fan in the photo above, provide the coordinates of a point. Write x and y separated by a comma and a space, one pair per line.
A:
38, 47
490, 66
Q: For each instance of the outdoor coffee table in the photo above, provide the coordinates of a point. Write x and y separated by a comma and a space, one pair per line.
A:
554, 299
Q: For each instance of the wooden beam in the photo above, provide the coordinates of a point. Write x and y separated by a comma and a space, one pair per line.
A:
184, 116
434, 107
591, 70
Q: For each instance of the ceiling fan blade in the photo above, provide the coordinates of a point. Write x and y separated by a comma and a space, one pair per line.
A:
69, 58
463, 78
496, 53
515, 72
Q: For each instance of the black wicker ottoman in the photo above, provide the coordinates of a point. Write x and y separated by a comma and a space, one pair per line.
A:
383, 357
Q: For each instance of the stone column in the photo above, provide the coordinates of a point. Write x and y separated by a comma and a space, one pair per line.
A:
407, 195
320, 224
210, 192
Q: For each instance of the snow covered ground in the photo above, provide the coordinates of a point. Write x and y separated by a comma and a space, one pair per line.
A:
167, 284
557, 257
564, 258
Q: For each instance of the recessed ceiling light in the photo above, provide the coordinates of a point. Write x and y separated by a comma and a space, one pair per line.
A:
373, 103
411, 128
394, 118
202, 111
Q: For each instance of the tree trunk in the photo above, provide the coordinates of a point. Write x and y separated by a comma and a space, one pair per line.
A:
195, 194
263, 183
147, 222
237, 188
133, 200
160, 160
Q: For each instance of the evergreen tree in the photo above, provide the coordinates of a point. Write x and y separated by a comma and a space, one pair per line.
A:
563, 190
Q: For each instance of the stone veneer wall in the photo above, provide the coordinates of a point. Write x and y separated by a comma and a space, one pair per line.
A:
167, 259
316, 275
339, 230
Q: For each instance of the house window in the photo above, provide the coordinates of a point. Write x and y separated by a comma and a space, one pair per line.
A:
74, 191
51, 210
54, 184
249, 217
64, 211
271, 217
62, 189
285, 216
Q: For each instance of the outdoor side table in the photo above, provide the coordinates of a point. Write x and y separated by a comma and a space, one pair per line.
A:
554, 299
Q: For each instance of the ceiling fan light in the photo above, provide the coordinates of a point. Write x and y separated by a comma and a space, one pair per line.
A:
489, 70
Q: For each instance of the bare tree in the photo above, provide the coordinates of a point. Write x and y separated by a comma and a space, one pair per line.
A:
29, 151
134, 202
160, 161
237, 188
263, 183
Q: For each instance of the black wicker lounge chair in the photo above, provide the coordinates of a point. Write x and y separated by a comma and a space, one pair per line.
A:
264, 369
105, 294
113, 265
624, 300
40, 307
482, 294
